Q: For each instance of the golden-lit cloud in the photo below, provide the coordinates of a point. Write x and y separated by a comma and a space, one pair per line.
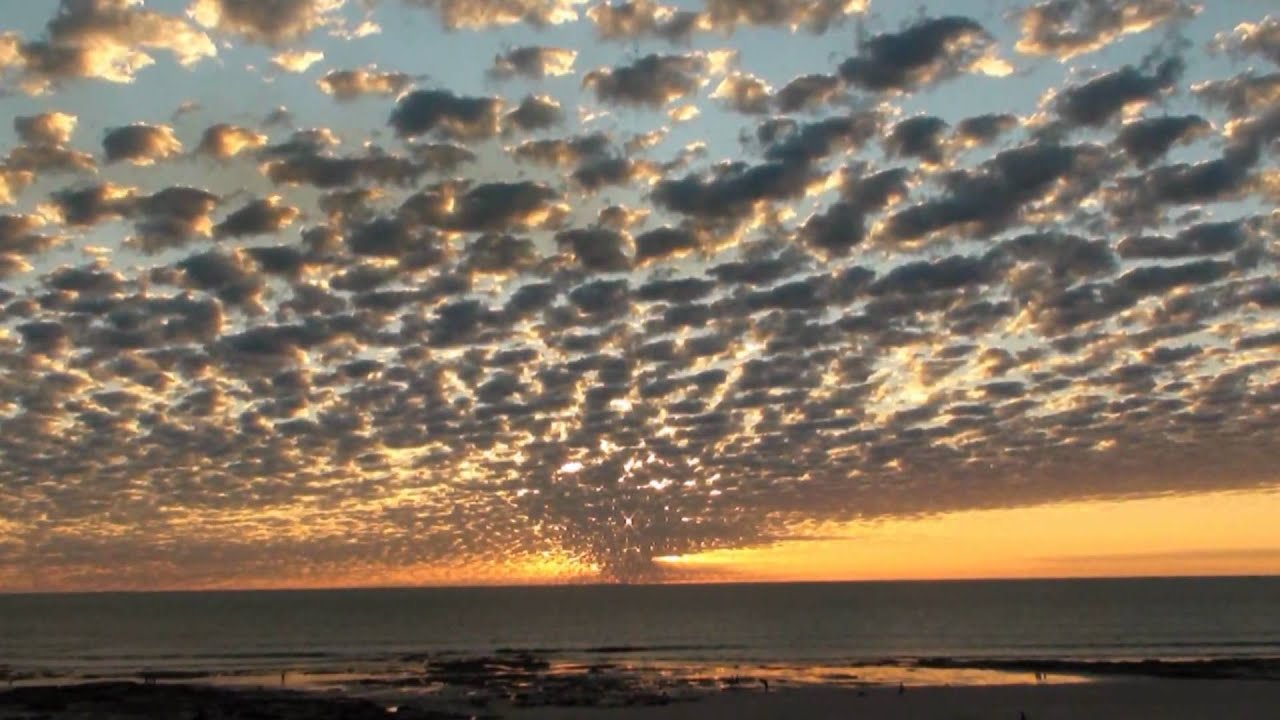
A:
535, 290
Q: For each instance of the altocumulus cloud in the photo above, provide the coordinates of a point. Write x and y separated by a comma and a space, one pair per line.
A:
631, 288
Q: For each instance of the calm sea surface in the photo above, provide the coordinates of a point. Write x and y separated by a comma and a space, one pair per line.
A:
785, 623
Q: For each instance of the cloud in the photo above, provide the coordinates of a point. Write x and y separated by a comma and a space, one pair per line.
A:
990, 197
47, 129
844, 223
440, 111
1098, 101
744, 93
501, 254
598, 249
928, 51
170, 217
917, 137
1202, 239
564, 151
586, 319
734, 192
816, 16
479, 14
653, 80
1261, 38
1241, 94
534, 62
273, 23
1146, 141
1067, 28
642, 18
225, 141
19, 235
302, 163
296, 61
984, 129
347, 85
264, 216
808, 92
140, 144
90, 205
107, 40
534, 113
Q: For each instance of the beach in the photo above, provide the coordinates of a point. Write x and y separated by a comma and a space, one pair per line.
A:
1108, 699
1126, 699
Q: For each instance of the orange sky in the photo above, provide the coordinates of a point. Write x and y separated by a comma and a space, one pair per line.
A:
1218, 534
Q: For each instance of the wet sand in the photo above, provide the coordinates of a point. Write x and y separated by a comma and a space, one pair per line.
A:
1112, 699
1120, 699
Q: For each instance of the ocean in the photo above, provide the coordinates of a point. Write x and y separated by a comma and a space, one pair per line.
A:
750, 625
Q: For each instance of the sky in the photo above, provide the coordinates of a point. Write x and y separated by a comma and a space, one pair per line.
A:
301, 293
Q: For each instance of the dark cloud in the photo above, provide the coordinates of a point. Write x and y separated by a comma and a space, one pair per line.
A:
844, 224
534, 113
305, 161
664, 242
273, 22
82, 206
596, 174
497, 207
642, 18
930, 50
140, 144
1203, 239
565, 151
500, 254
171, 217
602, 249
651, 81
917, 137
1146, 141
808, 92
440, 111
733, 192
990, 197
1098, 101
984, 129
264, 216
1141, 199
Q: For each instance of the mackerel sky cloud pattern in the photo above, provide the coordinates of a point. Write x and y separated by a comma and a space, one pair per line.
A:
328, 291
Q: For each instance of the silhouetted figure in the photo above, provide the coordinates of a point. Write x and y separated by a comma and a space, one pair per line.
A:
765, 683
282, 672
1022, 715
902, 689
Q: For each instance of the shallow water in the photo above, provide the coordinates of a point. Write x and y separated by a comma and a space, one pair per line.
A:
835, 625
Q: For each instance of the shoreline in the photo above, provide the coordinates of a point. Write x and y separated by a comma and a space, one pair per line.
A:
1108, 699
532, 666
